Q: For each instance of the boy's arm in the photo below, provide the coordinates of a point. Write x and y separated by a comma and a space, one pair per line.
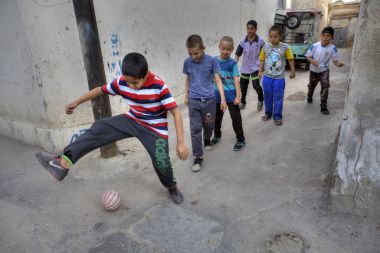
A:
237, 87
187, 83
182, 151
338, 63
261, 66
239, 52
219, 84
91, 94
292, 69
312, 61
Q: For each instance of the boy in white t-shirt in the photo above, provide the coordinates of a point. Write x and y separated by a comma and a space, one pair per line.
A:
319, 55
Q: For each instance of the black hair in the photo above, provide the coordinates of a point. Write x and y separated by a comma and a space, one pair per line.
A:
276, 28
252, 22
134, 65
228, 39
194, 41
329, 30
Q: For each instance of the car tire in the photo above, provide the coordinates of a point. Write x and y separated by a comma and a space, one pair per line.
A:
293, 21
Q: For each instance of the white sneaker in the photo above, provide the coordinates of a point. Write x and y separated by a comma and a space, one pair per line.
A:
208, 147
197, 164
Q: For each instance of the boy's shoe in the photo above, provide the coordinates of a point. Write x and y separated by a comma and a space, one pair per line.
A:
309, 100
239, 145
215, 140
197, 164
242, 106
260, 106
53, 165
278, 122
266, 117
325, 111
176, 195
207, 145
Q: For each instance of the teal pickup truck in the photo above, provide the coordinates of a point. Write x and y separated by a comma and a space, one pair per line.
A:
298, 26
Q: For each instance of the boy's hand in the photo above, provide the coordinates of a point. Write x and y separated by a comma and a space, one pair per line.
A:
70, 107
223, 105
186, 101
182, 151
340, 64
260, 75
292, 75
315, 63
237, 101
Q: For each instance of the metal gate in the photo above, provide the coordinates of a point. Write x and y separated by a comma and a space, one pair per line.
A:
340, 37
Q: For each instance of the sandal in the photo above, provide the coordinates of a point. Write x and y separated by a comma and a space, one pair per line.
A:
266, 117
278, 122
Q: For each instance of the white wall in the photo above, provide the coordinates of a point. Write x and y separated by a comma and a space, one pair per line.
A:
41, 71
41, 59
158, 29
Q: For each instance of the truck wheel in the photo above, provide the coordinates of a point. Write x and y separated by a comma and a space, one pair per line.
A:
293, 21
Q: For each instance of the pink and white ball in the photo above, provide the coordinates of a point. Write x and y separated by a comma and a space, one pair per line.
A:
111, 200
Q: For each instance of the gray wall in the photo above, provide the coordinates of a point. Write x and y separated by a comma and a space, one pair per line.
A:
41, 61
356, 186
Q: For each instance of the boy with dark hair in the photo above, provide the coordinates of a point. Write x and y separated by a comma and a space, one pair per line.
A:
200, 70
230, 77
319, 55
149, 99
250, 48
273, 58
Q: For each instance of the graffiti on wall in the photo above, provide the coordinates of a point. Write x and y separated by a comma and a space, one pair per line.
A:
114, 65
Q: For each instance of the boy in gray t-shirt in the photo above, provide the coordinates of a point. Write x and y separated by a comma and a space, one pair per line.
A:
201, 69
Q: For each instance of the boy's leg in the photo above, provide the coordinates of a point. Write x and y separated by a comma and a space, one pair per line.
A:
236, 121
218, 121
313, 81
102, 132
278, 97
195, 116
244, 81
268, 95
208, 118
259, 90
325, 85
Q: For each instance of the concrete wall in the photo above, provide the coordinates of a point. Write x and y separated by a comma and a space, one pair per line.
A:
41, 60
158, 29
356, 186
41, 70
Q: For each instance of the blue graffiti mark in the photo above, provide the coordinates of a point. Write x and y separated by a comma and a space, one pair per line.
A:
114, 38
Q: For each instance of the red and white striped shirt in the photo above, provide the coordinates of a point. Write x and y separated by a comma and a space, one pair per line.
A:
148, 105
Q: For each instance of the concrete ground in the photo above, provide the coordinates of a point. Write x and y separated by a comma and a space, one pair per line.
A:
278, 185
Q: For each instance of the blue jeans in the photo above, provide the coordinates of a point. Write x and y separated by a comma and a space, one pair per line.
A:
273, 96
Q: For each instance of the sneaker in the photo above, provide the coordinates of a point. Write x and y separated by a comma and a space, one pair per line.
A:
207, 145
197, 164
242, 106
215, 140
239, 145
325, 111
260, 106
176, 195
53, 165
309, 100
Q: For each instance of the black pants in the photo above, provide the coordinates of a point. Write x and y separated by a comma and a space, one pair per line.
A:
236, 121
324, 79
106, 131
244, 82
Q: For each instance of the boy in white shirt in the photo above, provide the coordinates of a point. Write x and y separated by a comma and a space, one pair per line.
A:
319, 55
